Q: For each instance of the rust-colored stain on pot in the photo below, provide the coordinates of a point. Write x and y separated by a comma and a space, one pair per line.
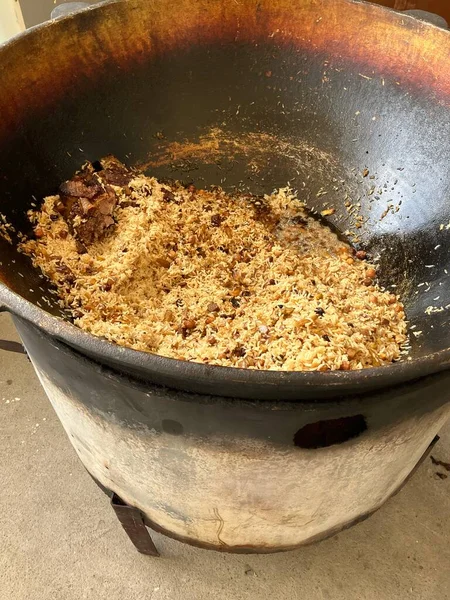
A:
42, 65
218, 144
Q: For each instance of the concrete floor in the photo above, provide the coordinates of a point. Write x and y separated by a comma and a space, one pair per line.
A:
60, 540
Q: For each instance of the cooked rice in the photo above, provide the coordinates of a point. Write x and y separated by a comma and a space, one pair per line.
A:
221, 279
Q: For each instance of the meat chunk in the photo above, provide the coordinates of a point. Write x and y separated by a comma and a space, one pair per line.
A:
87, 204
85, 185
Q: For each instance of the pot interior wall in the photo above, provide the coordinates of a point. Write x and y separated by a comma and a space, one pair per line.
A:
248, 109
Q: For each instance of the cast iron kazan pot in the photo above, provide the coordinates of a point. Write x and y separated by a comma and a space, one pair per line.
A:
346, 101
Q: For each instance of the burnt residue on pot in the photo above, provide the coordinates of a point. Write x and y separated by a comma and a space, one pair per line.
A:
116, 36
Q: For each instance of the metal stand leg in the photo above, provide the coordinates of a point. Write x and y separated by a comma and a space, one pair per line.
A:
132, 521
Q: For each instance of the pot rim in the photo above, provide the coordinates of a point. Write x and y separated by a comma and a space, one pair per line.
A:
197, 377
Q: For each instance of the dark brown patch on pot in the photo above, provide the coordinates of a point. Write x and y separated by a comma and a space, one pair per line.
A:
41, 64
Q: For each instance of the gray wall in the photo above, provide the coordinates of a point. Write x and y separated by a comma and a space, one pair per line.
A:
37, 11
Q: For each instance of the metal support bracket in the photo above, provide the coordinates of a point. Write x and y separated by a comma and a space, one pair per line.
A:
132, 521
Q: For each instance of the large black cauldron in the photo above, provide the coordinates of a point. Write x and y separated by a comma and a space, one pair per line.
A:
342, 99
